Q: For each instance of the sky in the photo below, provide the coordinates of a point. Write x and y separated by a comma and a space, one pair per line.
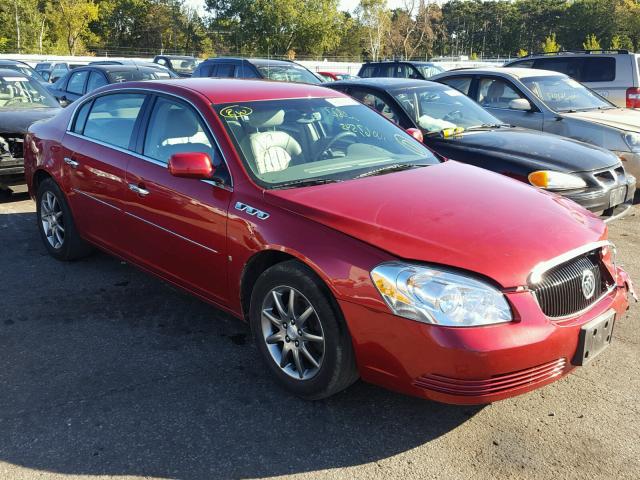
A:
348, 5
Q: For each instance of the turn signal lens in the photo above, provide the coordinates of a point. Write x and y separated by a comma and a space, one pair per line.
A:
550, 180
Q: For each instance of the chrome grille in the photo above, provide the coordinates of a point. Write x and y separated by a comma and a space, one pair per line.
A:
559, 293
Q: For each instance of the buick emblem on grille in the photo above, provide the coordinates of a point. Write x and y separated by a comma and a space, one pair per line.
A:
588, 284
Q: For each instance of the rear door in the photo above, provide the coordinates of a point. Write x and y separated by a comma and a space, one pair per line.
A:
177, 226
497, 96
97, 151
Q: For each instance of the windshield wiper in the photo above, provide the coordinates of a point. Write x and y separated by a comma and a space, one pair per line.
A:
307, 182
396, 167
488, 125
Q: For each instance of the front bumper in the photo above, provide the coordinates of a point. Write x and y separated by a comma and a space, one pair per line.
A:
599, 199
471, 365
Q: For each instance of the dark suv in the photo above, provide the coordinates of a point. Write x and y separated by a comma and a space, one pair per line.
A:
400, 69
269, 69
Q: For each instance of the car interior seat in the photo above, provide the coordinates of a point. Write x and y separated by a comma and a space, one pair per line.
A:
272, 149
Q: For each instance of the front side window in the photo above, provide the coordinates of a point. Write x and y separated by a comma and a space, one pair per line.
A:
175, 128
96, 80
496, 93
436, 108
376, 102
288, 73
225, 70
18, 91
564, 94
287, 143
112, 118
76, 82
367, 71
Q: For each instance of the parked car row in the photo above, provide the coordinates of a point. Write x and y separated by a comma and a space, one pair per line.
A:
341, 230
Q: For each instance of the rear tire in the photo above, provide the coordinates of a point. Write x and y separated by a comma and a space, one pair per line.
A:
56, 225
312, 358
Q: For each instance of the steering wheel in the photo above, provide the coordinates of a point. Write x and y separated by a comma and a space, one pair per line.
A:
331, 142
451, 117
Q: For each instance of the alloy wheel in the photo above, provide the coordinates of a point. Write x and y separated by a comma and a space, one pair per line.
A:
52, 220
293, 332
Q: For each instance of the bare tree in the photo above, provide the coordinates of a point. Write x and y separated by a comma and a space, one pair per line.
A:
375, 19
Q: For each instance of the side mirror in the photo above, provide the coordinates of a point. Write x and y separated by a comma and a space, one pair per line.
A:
521, 104
191, 165
416, 133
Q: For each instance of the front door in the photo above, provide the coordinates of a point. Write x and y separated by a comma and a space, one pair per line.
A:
95, 161
497, 95
177, 225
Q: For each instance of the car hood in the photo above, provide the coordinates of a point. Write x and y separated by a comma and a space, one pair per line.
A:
537, 149
621, 118
19, 120
450, 214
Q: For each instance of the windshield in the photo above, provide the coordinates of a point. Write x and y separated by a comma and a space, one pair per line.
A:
429, 70
284, 142
129, 75
18, 91
436, 108
183, 65
564, 94
288, 73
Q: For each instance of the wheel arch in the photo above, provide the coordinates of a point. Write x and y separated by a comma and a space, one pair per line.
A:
261, 261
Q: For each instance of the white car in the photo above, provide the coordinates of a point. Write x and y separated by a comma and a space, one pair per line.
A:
614, 74
554, 103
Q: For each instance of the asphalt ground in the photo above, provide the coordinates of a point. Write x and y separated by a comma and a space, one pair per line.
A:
107, 372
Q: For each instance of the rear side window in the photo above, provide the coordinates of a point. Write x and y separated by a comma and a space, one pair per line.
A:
462, 84
206, 70
246, 71
76, 82
113, 117
598, 69
568, 66
225, 70
367, 71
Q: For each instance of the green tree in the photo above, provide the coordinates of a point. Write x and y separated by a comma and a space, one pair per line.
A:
591, 43
375, 19
522, 53
71, 19
550, 45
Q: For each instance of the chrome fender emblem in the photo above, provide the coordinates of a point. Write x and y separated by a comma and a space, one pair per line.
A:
243, 207
588, 284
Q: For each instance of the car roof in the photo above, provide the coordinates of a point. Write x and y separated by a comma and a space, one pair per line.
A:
386, 83
115, 67
507, 71
412, 62
228, 90
255, 61
182, 57
9, 72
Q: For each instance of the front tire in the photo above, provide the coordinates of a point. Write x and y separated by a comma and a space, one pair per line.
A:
300, 332
56, 225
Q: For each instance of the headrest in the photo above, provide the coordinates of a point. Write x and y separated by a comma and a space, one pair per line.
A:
264, 119
181, 123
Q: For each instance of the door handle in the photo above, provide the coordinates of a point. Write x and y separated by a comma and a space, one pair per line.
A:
71, 163
139, 190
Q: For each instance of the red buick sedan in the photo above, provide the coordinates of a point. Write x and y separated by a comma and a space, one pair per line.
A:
347, 245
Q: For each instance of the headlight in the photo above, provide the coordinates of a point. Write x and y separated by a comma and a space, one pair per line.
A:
633, 141
440, 297
551, 180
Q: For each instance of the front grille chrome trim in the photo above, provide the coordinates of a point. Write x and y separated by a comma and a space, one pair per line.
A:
540, 269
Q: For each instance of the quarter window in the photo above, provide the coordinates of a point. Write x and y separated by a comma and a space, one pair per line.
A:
76, 82
113, 117
81, 118
496, 93
175, 128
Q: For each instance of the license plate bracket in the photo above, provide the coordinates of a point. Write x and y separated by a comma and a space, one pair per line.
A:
594, 337
617, 196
